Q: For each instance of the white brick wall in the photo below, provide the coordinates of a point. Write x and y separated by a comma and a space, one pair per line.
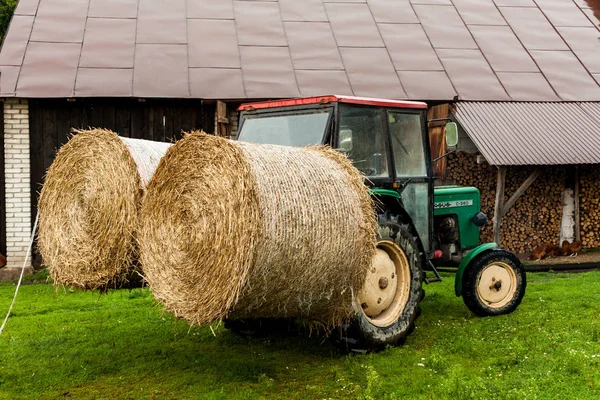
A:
17, 175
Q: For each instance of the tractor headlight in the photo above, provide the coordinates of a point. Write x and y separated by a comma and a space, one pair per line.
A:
479, 219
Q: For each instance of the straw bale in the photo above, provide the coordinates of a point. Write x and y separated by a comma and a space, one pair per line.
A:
241, 230
89, 206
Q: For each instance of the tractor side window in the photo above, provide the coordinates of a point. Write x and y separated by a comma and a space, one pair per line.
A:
362, 139
407, 144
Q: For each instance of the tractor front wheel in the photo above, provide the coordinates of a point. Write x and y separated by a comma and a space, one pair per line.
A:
388, 304
494, 283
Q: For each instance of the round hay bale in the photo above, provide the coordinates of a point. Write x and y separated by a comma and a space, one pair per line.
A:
240, 230
89, 204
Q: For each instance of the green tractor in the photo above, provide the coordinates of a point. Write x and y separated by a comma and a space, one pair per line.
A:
421, 227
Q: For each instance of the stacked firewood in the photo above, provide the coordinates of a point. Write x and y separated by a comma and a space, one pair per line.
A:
534, 219
589, 205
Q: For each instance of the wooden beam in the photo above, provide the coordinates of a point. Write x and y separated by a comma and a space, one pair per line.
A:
577, 218
437, 142
521, 190
499, 207
222, 120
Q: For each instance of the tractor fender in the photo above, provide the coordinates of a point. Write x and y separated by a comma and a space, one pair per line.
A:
465, 261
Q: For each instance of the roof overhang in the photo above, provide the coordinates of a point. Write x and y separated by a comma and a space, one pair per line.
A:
529, 133
333, 99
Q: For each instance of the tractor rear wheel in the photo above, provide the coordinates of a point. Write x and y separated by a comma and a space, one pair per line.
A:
494, 283
388, 305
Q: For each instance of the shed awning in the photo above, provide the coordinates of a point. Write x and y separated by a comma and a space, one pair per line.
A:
528, 133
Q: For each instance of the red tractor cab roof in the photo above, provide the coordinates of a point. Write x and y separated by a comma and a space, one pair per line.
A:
332, 99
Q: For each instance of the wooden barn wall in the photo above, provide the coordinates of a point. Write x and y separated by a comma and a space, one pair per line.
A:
2, 188
534, 219
51, 122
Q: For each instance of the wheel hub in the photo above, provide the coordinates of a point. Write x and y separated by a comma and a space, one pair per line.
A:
387, 285
497, 284
380, 288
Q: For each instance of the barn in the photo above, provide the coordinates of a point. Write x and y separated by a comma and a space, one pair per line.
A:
522, 78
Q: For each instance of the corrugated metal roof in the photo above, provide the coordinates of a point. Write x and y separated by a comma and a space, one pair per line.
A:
529, 133
492, 50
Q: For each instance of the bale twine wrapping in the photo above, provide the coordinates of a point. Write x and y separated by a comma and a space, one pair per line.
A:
240, 230
89, 206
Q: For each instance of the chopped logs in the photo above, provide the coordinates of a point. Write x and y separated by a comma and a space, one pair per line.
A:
536, 216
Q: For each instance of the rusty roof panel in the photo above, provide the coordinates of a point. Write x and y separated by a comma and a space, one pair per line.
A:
533, 29
15, 43
502, 49
205, 51
217, 83
592, 16
259, 23
268, 72
113, 9
420, 49
585, 43
393, 11
426, 85
470, 72
8, 80
477, 12
353, 25
222, 9
527, 86
444, 27
109, 43
38, 80
371, 73
161, 70
403, 39
104, 82
563, 13
515, 3
318, 83
27, 7
169, 16
566, 74
432, 2
303, 11
532, 133
60, 21
313, 46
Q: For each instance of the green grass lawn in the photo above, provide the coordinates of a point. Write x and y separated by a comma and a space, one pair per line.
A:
71, 344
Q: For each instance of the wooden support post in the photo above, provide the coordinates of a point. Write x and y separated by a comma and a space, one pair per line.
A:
222, 120
437, 138
521, 190
499, 208
577, 217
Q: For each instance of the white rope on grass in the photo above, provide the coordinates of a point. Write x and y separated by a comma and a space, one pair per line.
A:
21, 277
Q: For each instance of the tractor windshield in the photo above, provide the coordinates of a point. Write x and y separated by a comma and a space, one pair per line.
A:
299, 130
